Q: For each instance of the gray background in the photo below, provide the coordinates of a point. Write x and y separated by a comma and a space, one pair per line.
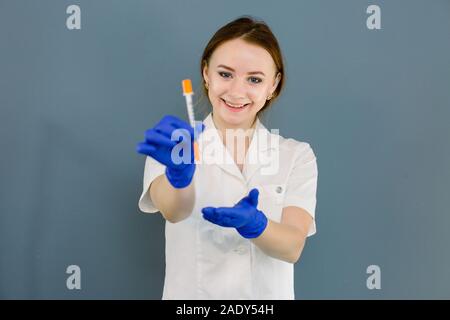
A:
374, 105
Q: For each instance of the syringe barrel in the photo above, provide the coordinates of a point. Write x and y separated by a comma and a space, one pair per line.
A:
190, 109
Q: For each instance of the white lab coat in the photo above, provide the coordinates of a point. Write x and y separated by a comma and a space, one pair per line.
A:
207, 261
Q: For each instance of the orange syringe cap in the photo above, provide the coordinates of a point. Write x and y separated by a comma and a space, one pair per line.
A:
187, 86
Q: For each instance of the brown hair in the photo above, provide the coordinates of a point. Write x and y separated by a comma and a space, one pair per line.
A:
255, 32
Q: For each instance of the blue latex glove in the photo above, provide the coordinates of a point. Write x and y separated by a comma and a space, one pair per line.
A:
244, 216
158, 145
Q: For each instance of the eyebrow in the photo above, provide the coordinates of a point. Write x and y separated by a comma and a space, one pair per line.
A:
231, 69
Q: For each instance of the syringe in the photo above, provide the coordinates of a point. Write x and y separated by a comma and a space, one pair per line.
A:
188, 93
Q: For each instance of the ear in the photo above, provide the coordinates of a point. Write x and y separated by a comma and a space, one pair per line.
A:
205, 73
275, 85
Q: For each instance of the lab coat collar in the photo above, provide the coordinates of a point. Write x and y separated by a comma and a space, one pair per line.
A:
261, 144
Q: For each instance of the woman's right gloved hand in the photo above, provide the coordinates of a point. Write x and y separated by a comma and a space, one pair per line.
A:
159, 145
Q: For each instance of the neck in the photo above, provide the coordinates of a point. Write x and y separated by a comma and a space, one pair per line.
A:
244, 134
222, 127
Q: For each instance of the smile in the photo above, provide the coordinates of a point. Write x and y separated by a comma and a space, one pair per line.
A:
234, 107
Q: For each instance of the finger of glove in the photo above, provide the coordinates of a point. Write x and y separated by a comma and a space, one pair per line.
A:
209, 212
221, 221
165, 129
177, 123
176, 134
225, 222
245, 201
236, 217
209, 218
145, 148
233, 214
158, 153
253, 197
157, 139
250, 199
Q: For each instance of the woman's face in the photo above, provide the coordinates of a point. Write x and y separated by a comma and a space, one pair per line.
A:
240, 76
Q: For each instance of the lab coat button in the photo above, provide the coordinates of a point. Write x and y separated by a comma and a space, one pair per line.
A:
279, 189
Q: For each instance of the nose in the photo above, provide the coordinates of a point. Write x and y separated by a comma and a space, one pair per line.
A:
237, 90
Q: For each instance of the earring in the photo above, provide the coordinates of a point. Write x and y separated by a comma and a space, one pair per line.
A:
269, 97
206, 85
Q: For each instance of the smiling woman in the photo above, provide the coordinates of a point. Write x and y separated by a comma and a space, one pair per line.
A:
243, 72
234, 228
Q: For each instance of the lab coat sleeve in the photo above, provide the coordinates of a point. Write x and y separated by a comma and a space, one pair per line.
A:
152, 170
302, 183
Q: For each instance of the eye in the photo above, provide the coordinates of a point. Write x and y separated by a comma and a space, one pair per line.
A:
224, 74
258, 80
253, 80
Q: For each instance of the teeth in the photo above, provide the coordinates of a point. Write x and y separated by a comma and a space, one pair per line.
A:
234, 106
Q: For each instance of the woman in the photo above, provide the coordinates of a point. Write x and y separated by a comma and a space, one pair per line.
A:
237, 223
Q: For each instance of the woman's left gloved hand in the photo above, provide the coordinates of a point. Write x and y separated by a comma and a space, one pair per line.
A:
244, 216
